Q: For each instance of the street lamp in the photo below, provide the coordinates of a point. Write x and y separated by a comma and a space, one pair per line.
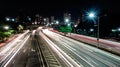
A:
7, 19
6, 27
57, 22
67, 20
91, 30
92, 15
118, 29
13, 19
68, 24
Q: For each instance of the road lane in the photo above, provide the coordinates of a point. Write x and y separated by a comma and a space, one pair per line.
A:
96, 55
14, 56
26, 55
8, 51
83, 53
62, 55
111, 46
50, 56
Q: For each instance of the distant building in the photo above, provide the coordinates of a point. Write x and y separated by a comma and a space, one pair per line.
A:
67, 16
47, 20
52, 19
78, 21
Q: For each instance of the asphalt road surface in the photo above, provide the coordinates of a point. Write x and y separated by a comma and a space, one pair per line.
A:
23, 53
84, 54
27, 55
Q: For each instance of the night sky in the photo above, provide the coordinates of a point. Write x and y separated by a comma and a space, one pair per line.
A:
51, 7
58, 7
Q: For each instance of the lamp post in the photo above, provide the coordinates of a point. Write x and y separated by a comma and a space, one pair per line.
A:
92, 15
98, 30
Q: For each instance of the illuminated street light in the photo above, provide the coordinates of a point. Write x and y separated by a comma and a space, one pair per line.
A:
118, 29
68, 24
7, 19
52, 23
91, 30
75, 25
29, 19
92, 15
113, 30
66, 20
57, 22
44, 19
6, 27
13, 20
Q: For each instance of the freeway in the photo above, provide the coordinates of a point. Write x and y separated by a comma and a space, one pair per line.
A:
111, 46
84, 54
48, 55
22, 52
28, 50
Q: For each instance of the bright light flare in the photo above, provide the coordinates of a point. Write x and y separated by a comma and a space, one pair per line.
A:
118, 29
29, 19
7, 19
57, 22
66, 20
6, 27
68, 24
13, 20
91, 30
52, 23
44, 19
91, 15
75, 25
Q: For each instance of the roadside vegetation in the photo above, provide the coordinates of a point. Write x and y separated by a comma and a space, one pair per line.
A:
6, 33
